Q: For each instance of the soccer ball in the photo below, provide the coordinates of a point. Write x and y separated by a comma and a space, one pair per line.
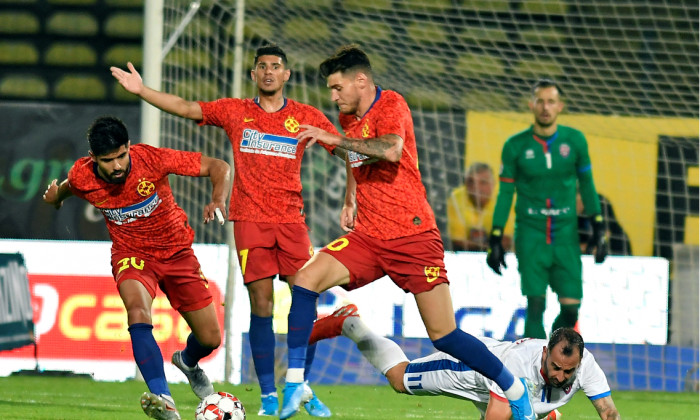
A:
220, 406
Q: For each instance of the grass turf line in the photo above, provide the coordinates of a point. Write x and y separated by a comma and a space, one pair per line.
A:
52, 398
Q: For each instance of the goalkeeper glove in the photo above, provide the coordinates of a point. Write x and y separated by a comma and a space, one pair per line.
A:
495, 255
598, 240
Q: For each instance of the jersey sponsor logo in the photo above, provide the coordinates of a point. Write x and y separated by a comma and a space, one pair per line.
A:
358, 159
291, 124
432, 273
549, 212
564, 150
254, 141
145, 188
529, 154
131, 213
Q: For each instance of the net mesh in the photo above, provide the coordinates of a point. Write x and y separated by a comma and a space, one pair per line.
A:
629, 71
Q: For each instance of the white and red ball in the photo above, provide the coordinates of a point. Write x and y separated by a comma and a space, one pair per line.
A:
220, 406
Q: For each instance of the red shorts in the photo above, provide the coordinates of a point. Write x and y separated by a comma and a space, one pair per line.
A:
267, 249
179, 277
414, 263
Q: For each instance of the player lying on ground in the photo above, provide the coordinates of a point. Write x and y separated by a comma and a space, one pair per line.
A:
554, 370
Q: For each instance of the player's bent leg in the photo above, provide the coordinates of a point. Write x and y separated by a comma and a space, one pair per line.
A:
204, 339
320, 273
395, 377
199, 382
435, 307
205, 326
161, 407
332, 325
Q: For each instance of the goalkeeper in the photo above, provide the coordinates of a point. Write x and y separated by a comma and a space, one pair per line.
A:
544, 164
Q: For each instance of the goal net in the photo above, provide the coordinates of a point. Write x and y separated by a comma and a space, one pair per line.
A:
628, 69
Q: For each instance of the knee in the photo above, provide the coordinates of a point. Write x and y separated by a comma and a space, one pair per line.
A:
261, 306
570, 311
261, 302
395, 377
138, 314
210, 338
303, 278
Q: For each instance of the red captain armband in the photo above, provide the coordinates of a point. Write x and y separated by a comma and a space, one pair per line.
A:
497, 397
509, 180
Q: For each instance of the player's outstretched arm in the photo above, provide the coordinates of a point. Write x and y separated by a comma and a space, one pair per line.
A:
131, 81
606, 408
219, 172
55, 193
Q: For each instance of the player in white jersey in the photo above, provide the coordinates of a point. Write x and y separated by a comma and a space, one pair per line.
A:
555, 370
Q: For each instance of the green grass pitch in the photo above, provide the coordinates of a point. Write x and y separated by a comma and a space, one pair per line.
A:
57, 398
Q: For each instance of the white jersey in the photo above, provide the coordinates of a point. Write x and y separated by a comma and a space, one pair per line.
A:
442, 374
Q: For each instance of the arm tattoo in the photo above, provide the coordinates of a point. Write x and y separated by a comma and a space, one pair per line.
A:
606, 408
340, 152
376, 147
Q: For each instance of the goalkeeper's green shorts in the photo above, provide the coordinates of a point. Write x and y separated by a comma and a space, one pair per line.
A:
557, 265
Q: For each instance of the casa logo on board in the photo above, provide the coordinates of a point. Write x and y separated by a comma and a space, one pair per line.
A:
564, 150
145, 187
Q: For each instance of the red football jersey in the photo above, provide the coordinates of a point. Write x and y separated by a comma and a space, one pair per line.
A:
266, 156
391, 199
141, 214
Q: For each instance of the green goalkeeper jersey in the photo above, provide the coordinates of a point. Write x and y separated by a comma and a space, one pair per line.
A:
544, 173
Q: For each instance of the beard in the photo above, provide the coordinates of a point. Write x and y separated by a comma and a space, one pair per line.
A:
546, 124
564, 384
117, 180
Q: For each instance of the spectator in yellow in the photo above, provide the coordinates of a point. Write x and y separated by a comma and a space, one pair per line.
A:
470, 211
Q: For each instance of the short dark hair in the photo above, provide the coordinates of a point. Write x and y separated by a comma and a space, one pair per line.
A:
545, 83
571, 337
347, 58
107, 134
270, 49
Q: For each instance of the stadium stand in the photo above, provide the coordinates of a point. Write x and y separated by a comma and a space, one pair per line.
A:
58, 50
18, 52
18, 22
23, 87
